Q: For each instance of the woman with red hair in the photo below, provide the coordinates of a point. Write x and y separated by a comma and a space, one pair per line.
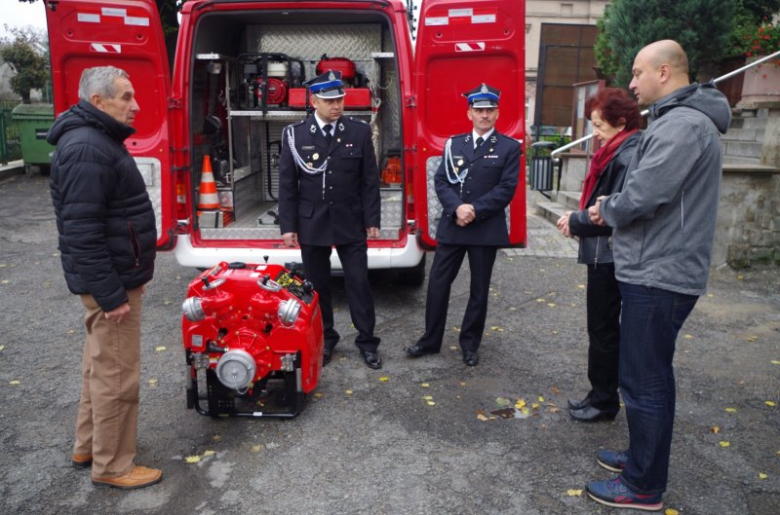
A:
616, 120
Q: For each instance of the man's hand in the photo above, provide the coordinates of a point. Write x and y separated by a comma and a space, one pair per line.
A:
290, 239
563, 224
118, 314
465, 214
594, 214
373, 232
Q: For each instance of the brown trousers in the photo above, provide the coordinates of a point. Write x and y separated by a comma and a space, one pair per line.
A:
107, 423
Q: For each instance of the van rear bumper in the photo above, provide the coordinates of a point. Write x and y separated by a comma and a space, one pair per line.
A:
186, 254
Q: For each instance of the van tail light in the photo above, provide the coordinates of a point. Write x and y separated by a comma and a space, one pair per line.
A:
181, 201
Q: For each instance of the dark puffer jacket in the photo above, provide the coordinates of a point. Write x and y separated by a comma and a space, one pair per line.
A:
105, 220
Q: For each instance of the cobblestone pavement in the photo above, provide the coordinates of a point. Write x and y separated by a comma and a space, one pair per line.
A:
544, 240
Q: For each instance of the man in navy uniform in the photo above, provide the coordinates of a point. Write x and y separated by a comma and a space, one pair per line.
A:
475, 182
329, 196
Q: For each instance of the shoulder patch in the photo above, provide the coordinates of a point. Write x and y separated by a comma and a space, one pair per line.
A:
359, 120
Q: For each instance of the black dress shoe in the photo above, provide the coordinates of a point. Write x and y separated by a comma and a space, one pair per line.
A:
591, 414
575, 404
372, 359
471, 358
417, 350
327, 354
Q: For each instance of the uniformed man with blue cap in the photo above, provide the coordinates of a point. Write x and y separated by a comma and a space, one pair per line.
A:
475, 182
329, 196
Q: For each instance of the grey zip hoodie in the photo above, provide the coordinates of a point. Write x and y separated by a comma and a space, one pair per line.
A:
664, 218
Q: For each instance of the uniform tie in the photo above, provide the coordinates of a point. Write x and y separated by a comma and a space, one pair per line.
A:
480, 141
328, 136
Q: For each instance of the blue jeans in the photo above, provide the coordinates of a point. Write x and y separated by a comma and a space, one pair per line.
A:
650, 321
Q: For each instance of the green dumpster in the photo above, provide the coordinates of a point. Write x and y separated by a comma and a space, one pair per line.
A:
34, 121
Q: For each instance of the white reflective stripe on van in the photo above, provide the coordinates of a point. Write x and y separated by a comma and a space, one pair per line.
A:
384, 258
151, 171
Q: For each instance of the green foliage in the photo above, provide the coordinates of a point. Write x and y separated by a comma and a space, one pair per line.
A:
702, 27
27, 55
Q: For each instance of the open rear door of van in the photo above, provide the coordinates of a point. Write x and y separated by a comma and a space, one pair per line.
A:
128, 35
461, 44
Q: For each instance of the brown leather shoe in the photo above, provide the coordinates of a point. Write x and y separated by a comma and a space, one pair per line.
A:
139, 477
81, 461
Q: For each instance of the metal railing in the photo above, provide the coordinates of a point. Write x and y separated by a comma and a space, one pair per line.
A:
10, 148
764, 59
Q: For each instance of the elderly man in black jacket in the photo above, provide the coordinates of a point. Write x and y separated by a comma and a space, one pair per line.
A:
107, 242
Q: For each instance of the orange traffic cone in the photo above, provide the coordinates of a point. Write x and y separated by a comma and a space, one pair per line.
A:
208, 198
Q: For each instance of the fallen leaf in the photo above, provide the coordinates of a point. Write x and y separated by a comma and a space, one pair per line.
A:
520, 404
15, 382
496, 328
725, 444
428, 397
740, 277
761, 475
168, 302
512, 308
775, 362
384, 379
463, 383
348, 392
541, 399
431, 403
152, 382
453, 347
541, 300
2, 347
689, 337
456, 329
555, 390
209, 453
710, 295
317, 395
256, 448
731, 410
535, 406
714, 430
771, 404
192, 459
503, 401
482, 417
571, 492
425, 385
551, 304
216, 438
5, 281
160, 348
752, 339
581, 286
671, 511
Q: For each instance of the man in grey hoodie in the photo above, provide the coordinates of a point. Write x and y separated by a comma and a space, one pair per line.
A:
663, 225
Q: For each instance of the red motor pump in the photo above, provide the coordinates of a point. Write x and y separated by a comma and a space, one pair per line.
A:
342, 64
245, 325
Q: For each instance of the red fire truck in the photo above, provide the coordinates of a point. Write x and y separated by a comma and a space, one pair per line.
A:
237, 81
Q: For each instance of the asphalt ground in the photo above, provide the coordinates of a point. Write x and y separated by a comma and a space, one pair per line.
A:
422, 436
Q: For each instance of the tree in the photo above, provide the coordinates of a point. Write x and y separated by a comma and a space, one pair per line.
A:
702, 27
26, 54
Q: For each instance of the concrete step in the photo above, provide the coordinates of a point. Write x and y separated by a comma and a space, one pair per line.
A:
735, 160
750, 168
742, 149
551, 211
569, 199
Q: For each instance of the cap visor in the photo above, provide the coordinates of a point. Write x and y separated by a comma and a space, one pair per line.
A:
333, 93
482, 104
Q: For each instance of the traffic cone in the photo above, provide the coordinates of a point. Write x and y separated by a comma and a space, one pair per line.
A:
208, 200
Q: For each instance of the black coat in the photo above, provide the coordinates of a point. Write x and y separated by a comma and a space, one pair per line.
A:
105, 220
595, 242
340, 211
493, 172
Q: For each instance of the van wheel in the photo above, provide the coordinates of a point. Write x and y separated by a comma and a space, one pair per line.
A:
414, 276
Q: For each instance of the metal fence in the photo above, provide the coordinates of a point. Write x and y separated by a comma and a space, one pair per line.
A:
10, 147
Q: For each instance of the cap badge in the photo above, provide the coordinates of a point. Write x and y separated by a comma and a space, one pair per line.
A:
331, 76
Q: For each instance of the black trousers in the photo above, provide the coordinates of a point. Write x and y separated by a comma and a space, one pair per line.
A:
316, 264
446, 264
603, 298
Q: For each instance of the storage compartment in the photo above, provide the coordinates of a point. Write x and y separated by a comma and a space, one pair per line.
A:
247, 85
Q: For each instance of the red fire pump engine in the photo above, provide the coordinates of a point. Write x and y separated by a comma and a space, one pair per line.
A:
245, 328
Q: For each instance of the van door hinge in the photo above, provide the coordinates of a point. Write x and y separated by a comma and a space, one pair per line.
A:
411, 102
174, 103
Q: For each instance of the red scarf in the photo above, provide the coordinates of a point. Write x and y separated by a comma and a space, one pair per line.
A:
599, 162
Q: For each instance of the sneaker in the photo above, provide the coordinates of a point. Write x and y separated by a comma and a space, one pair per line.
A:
139, 477
617, 494
614, 461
